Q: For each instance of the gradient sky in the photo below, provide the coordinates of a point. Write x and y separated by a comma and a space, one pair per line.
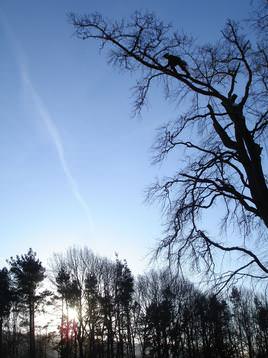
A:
74, 163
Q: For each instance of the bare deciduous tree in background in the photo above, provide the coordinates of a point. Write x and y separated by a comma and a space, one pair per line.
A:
225, 87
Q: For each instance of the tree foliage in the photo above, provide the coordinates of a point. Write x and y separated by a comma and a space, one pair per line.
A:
28, 273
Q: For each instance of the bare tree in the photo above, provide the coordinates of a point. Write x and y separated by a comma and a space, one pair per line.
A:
223, 132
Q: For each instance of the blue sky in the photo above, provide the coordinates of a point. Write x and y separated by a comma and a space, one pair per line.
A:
74, 163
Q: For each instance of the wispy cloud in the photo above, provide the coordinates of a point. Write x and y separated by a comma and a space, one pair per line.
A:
46, 118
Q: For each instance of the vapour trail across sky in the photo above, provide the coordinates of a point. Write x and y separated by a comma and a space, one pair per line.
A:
46, 118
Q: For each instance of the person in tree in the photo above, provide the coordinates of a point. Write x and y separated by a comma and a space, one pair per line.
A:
222, 128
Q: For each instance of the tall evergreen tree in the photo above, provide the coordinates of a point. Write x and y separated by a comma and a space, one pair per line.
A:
28, 273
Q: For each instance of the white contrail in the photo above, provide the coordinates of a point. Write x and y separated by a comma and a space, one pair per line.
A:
56, 139
46, 119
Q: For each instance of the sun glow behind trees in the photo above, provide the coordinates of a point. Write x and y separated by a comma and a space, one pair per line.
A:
73, 314
114, 315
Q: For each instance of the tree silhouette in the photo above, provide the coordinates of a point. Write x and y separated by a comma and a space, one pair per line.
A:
28, 273
92, 309
123, 298
63, 284
5, 302
222, 132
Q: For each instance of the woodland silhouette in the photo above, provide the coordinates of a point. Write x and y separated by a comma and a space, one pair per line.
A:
157, 314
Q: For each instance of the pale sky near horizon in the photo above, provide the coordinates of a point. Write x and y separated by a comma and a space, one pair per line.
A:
74, 163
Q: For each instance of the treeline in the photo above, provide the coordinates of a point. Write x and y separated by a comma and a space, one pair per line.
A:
156, 315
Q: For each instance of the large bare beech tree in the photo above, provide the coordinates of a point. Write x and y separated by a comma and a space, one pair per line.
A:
225, 87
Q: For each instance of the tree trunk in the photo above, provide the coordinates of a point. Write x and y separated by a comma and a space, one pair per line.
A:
249, 153
1, 337
80, 347
32, 334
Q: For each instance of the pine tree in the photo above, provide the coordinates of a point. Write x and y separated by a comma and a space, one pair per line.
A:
28, 273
